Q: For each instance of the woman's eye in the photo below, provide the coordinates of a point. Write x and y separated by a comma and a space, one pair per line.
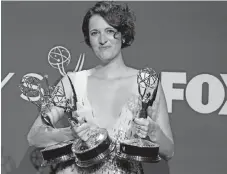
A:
110, 31
94, 33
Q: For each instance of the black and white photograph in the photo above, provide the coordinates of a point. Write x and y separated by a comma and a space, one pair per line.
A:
113, 87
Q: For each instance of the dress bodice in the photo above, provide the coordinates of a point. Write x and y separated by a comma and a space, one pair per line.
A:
121, 129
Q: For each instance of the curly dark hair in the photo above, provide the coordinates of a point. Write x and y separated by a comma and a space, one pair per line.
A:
120, 17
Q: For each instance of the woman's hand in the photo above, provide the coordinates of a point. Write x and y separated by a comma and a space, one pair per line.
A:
147, 127
157, 125
83, 129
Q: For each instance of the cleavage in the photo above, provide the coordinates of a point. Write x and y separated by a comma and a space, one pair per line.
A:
107, 99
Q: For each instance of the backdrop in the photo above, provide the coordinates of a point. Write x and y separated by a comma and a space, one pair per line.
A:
186, 41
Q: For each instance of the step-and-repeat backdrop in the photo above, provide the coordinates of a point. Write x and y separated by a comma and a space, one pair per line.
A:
185, 41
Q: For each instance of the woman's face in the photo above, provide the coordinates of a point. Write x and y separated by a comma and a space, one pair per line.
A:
105, 45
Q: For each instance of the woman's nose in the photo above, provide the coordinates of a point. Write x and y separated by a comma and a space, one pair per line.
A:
102, 39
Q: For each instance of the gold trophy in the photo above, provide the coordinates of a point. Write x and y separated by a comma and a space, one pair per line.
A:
138, 149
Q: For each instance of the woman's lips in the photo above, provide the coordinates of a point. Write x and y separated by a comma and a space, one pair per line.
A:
104, 47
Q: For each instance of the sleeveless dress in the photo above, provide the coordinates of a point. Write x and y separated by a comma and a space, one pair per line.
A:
120, 131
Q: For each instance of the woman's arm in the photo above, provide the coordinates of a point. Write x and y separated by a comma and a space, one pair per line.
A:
41, 135
163, 133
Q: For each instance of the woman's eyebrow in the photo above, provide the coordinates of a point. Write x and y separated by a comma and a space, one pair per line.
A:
110, 28
93, 29
107, 28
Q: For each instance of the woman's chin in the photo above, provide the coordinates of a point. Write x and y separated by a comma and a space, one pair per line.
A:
106, 60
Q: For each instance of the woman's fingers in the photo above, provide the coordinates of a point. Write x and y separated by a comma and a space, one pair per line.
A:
141, 126
81, 119
141, 133
81, 130
141, 121
144, 127
81, 127
84, 135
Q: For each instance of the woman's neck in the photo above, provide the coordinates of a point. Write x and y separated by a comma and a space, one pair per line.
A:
111, 70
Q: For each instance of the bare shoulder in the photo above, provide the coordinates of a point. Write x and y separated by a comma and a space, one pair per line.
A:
74, 73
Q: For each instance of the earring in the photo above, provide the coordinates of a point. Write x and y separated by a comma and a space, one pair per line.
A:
123, 40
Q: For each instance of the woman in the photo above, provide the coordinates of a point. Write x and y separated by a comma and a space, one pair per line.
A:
108, 94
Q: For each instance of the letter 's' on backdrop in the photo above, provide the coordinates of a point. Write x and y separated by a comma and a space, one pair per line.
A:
185, 41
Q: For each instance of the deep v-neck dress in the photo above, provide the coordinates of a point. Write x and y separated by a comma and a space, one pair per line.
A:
121, 129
